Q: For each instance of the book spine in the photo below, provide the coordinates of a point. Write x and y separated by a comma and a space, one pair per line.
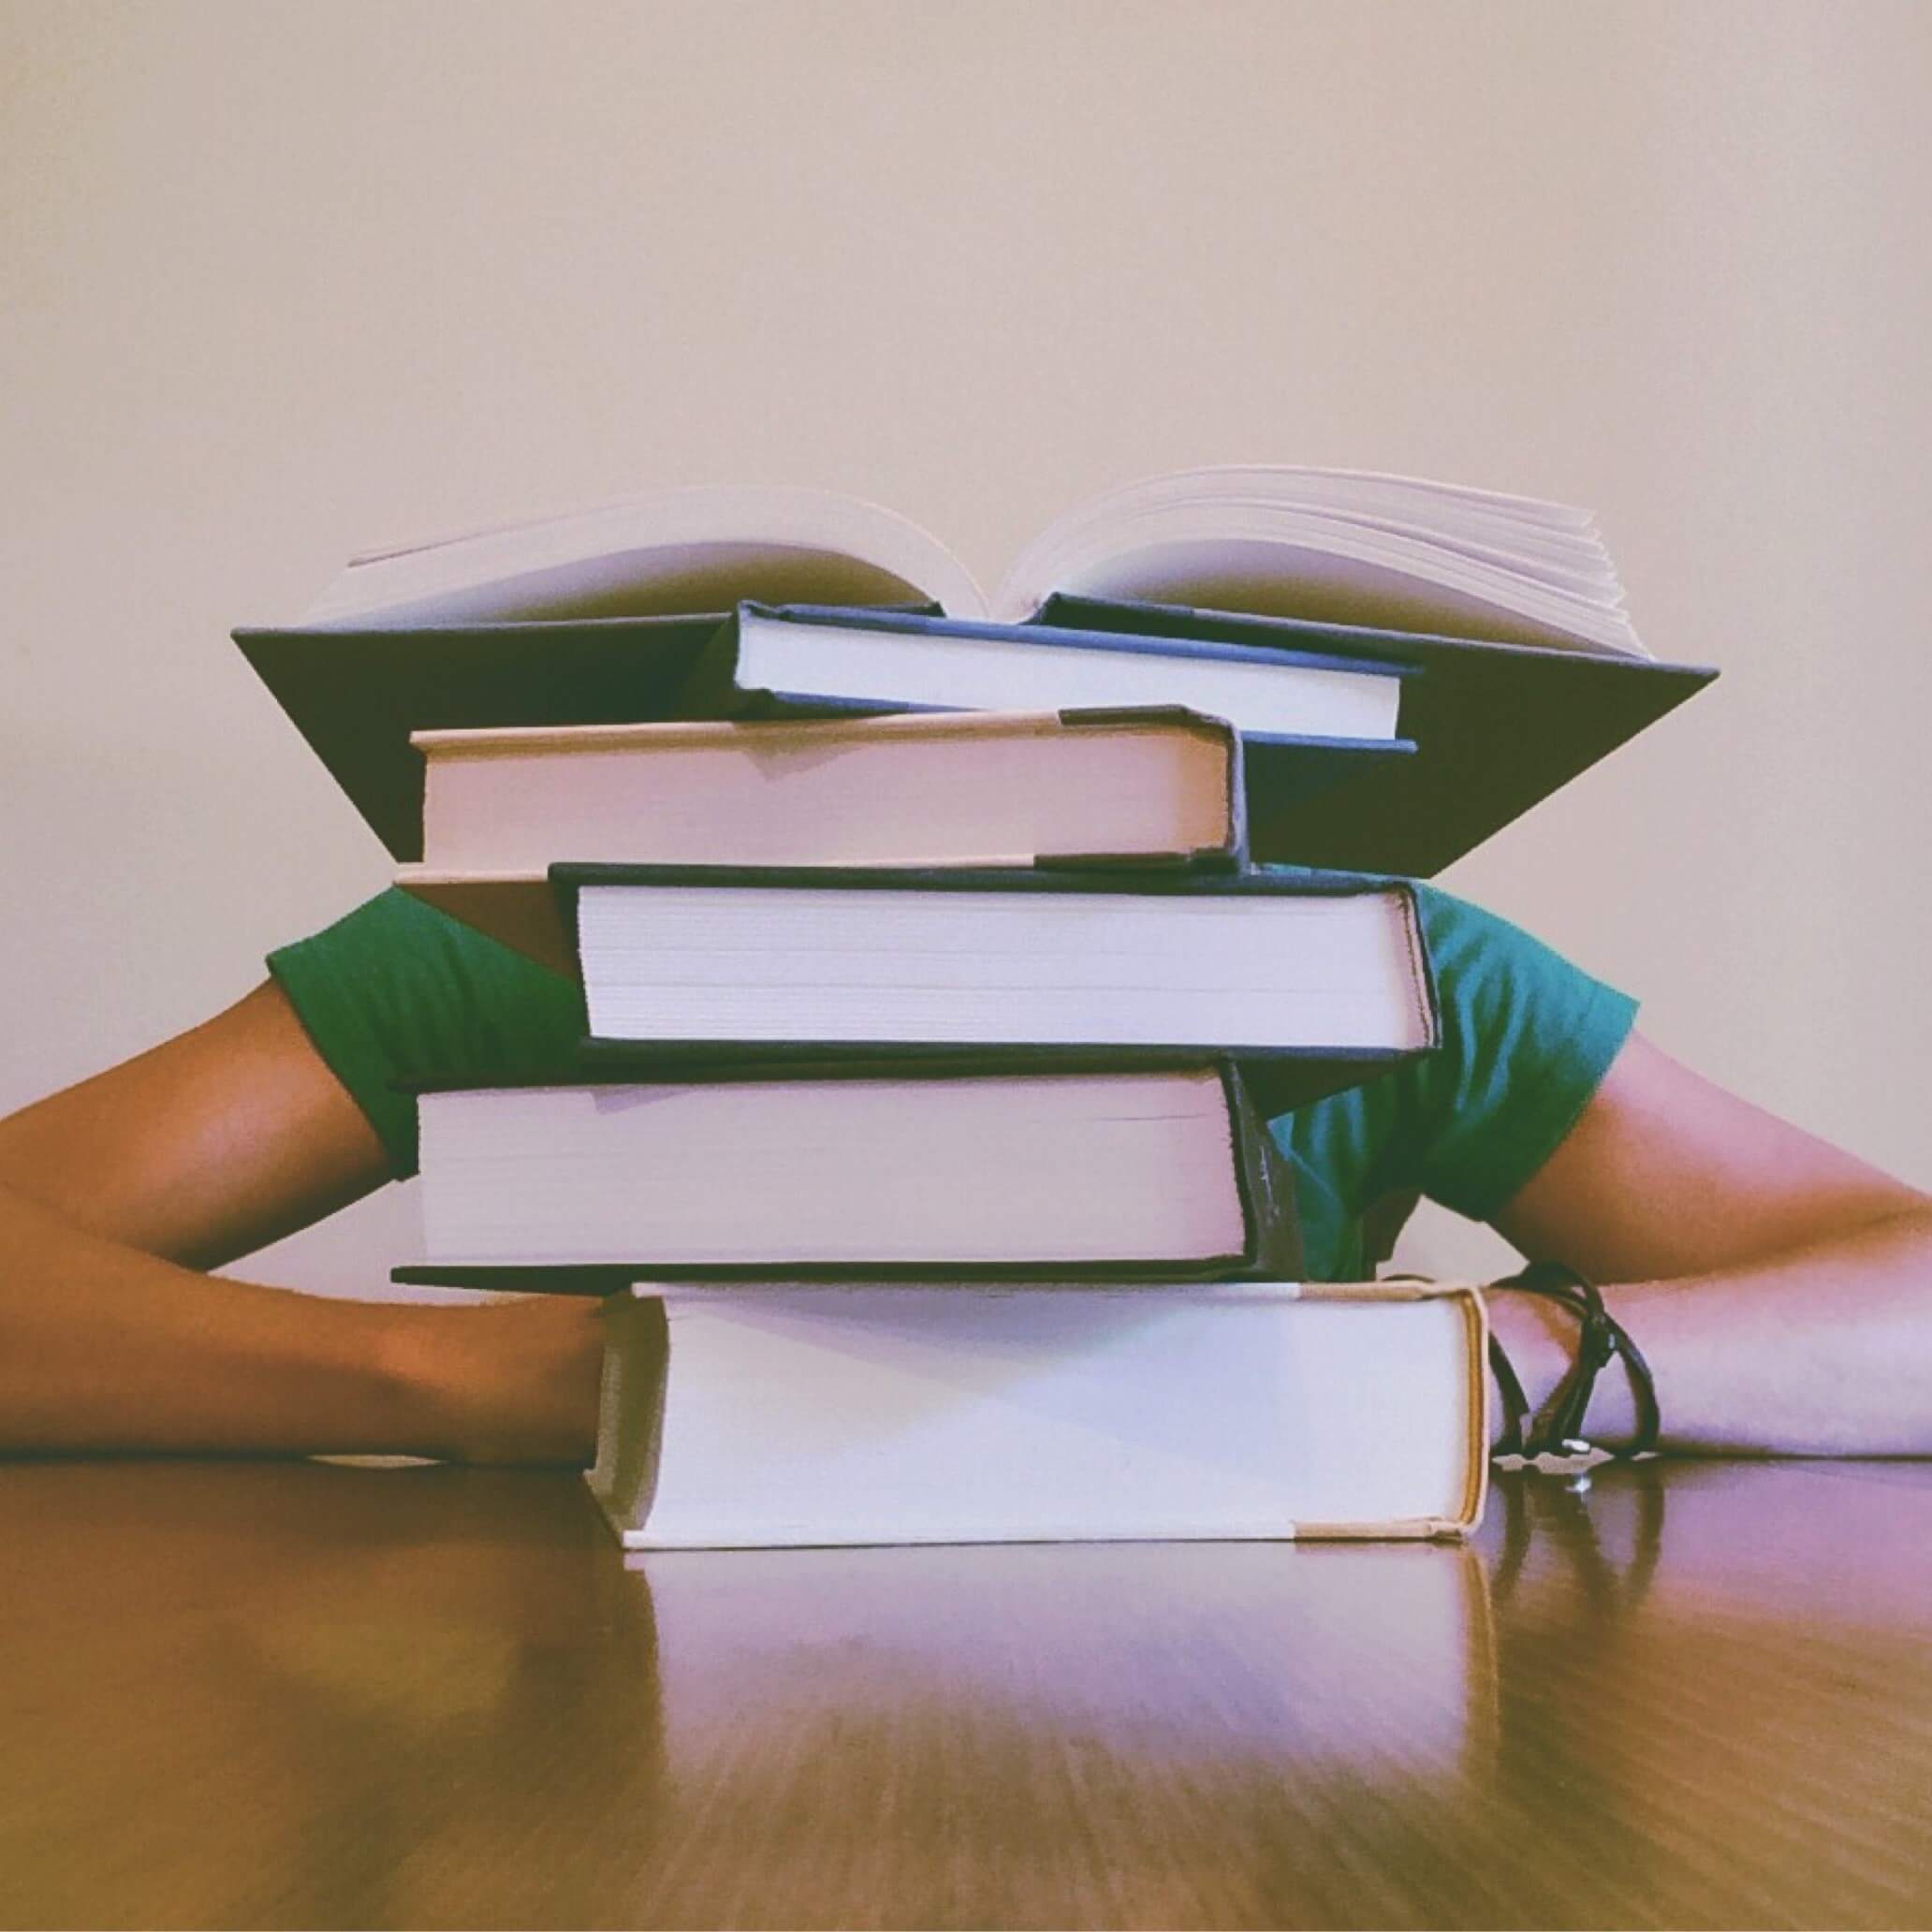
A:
1281, 1078
630, 1409
1230, 856
599, 1278
569, 876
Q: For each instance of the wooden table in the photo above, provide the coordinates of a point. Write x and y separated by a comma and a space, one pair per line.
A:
306, 1694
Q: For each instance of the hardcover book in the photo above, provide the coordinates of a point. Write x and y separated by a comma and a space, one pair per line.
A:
1147, 787
792, 658
794, 1414
1317, 972
980, 1169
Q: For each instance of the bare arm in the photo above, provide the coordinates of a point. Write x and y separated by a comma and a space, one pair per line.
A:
114, 1193
1781, 1289
210, 1146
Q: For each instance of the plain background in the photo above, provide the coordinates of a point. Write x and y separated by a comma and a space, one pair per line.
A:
282, 279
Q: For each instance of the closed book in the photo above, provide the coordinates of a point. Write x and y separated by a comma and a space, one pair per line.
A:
967, 1171
1310, 719
810, 656
1316, 980
1147, 786
741, 1416
1496, 727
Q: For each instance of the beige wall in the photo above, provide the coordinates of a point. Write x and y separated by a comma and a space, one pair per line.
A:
280, 278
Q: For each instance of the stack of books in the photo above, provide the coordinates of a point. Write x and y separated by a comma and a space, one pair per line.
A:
935, 1003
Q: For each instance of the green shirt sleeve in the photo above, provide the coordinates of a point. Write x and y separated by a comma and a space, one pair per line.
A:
397, 992
1527, 1039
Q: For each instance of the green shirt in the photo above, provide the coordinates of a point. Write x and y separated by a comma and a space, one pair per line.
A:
396, 991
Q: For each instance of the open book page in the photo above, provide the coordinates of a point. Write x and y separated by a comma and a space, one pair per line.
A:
674, 551
1398, 552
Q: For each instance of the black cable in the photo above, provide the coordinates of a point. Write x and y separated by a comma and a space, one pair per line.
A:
1556, 1427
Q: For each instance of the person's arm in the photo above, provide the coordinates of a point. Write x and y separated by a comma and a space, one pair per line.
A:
117, 1192
1781, 1289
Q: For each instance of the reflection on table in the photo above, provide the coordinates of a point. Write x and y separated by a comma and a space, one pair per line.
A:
313, 1694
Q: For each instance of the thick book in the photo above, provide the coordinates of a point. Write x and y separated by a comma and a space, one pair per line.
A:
749, 1417
1344, 545
1150, 787
1496, 728
972, 1171
1327, 972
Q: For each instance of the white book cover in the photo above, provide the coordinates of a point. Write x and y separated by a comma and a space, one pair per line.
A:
763, 1416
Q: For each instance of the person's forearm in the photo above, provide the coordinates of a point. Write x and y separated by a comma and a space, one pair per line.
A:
104, 1347
1824, 1350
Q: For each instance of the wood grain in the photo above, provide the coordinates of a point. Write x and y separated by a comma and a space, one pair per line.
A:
305, 1694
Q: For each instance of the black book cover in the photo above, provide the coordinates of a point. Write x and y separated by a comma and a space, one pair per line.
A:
357, 695
1496, 727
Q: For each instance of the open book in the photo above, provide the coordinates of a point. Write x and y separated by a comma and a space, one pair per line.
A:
1339, 545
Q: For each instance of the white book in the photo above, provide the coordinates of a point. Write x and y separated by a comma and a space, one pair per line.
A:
743, 1416
1398, 552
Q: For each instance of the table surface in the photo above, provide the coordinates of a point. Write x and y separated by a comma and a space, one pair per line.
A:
311, 1694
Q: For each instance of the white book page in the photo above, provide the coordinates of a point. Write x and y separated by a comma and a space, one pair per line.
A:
1398, 552
1070, 1168
704, 549
912, 790
1024, 674
675, 963
1331, 573
671, 552
1376, 490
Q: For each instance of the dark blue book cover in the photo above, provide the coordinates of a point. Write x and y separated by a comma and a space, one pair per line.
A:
1496, 729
